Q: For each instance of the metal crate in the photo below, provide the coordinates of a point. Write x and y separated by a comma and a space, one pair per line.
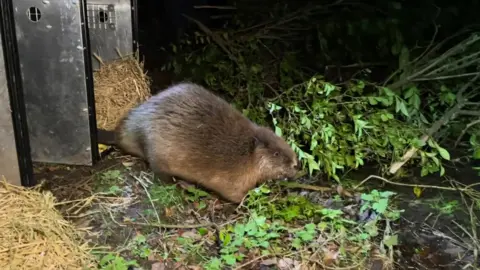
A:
112, 27
15, 160
56, 69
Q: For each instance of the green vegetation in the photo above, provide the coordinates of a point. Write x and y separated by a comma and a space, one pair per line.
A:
337, 127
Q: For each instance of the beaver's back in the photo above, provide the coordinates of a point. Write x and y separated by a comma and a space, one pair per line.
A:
190, 123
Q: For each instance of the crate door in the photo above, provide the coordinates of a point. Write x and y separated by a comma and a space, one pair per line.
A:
15, 160
57, 79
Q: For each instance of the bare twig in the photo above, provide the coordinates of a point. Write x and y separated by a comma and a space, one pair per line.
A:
470, 113
359, 65
409, 185
432, 64
457, 64
445, 77
218, 39
471, 124
427, 50
265, 256
148, 195
304, 186
436, 126
169, 226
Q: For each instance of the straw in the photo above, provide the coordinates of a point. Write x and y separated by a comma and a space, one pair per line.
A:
34, 235
119, 86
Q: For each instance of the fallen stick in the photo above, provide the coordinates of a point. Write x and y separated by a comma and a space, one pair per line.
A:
304, 186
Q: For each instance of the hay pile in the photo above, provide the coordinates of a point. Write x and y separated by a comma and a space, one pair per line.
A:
34, 235
119, 86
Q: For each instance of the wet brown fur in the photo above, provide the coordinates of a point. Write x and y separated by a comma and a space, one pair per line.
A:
188, 132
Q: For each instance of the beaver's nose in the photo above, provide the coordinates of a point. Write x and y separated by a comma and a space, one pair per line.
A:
298, 165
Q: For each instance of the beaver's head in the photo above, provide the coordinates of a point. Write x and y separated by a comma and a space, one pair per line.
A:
276, 160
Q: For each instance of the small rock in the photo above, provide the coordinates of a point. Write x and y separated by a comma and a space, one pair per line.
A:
158, 266
288, 264
192, 235
269, 262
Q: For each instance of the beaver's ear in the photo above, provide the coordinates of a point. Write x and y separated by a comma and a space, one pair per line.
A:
255, 143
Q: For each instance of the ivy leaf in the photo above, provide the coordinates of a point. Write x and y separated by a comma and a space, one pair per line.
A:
444, 153
229, 259
310, 227
381, 206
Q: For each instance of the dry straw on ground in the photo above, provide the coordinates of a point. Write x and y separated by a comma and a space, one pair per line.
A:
119, 86
34, 235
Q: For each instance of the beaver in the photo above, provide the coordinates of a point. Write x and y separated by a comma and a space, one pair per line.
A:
188, 132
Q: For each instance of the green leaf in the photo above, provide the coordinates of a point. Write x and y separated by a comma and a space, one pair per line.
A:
225, 237
442, 170
397, 104
391, 241
415, 101
419, 143
372, 100
386, 194
381, 206
312, 165
329, 88
310, 227
388, 92
278, 131
214, 264
403, 109
444, 153
424, 171
297, 243
476, 153
410, 92
202, 231
229, 259
366, 197
386, 116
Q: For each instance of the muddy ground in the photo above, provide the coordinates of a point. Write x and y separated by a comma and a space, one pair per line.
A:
126, 209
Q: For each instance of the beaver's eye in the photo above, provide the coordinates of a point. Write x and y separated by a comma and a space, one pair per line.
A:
275, 154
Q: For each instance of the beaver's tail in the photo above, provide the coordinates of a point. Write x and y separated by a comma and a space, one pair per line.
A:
107, 137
